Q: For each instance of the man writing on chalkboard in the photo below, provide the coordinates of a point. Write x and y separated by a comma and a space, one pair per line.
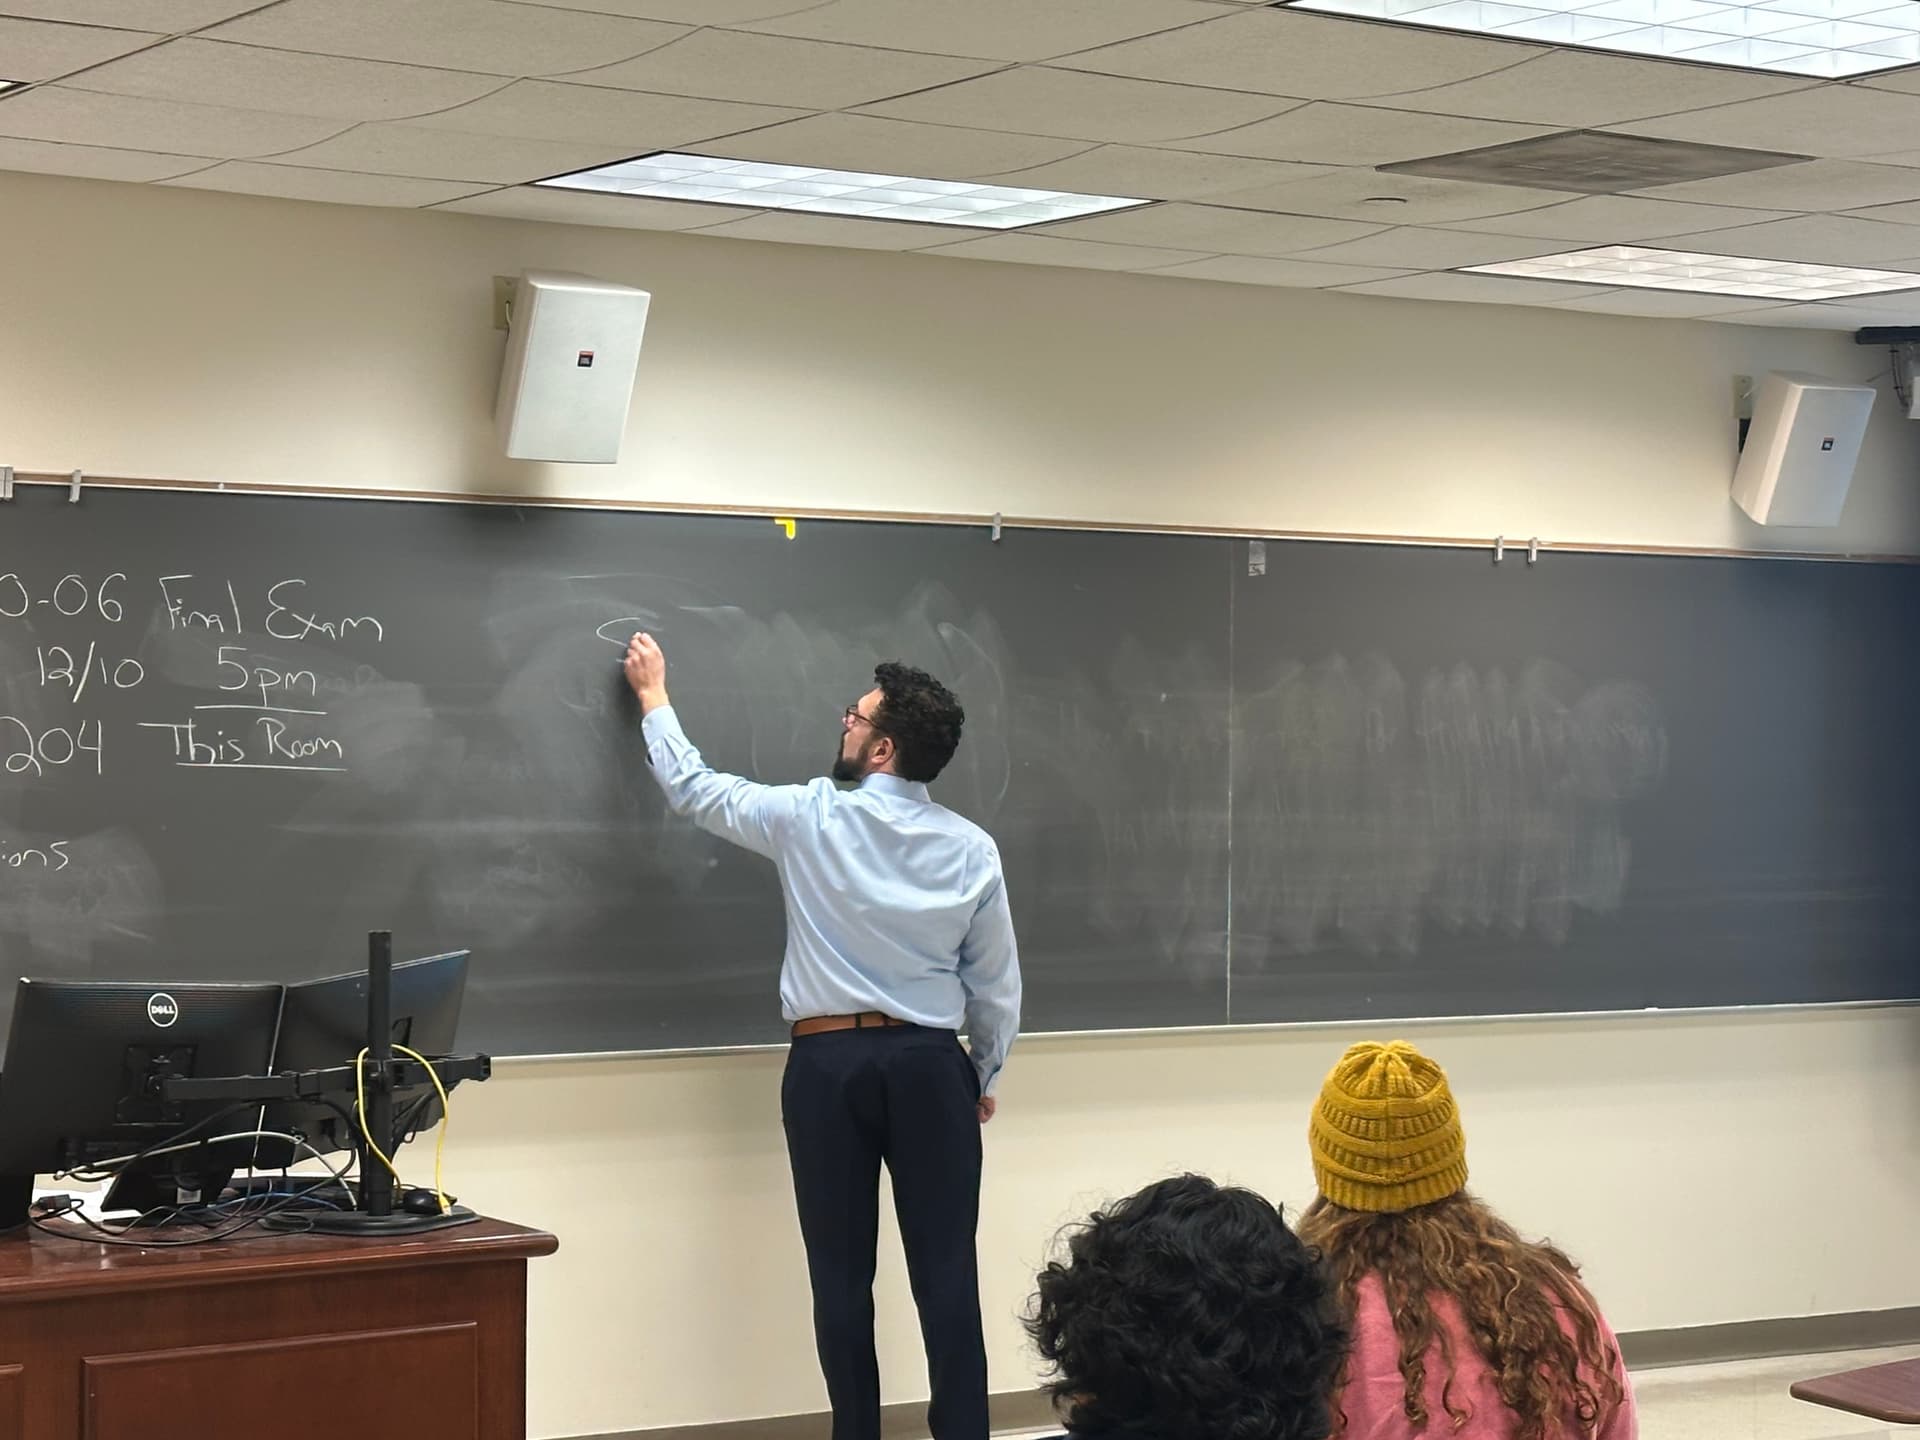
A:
898, 935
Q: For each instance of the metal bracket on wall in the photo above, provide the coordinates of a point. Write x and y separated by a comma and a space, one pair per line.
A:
1499, 549
73, 487
6, 482
996, 527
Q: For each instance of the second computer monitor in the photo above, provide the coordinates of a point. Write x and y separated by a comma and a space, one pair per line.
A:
323, 1024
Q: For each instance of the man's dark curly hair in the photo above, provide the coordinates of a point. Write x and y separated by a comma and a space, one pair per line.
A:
1190, 1312
920, 716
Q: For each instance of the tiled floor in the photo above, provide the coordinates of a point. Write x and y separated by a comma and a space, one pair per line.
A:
1748, 1400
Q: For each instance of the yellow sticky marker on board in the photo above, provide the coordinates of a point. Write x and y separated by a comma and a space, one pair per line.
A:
785, 522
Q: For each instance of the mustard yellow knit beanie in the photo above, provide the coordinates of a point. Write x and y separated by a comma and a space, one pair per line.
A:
1385, 1134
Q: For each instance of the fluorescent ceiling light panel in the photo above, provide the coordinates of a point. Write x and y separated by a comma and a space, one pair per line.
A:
811, 190
1638, 268
1826, 38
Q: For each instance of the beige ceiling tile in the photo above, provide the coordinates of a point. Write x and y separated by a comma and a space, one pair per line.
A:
1413, 248
38, 50
1362, 194
1582, 89
1659, 304
1620, 219
292, 182
1314, 57
1034, 100
580, 207
1838, 316
1905, 213
1327, 134
1811, 239
1898, 302
894, 147
393, 149
1486, 289
591, 115
1260, 270
1157, 174
165, 16
1211, 229
489, 36
1828, 120
685, 12
839, 231
1906, 81
990, 29
1815, 185
122, 122
41, 157
778, 70
1054, 250
287, 82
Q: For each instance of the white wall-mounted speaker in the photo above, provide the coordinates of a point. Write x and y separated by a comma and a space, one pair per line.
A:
1801, 448
573, 346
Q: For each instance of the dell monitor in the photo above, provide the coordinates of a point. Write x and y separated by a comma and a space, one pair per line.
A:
324, 1025
83, 1076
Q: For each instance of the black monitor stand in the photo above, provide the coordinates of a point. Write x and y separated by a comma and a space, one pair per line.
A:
378, 1074
374, 1213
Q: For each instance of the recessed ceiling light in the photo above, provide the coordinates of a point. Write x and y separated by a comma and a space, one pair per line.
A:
707, 179
8, 85
1827, 38
1639, 268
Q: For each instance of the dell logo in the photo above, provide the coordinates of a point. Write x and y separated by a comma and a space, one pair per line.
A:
162, 1009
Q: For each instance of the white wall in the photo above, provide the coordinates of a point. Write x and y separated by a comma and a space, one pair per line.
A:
1707, 1168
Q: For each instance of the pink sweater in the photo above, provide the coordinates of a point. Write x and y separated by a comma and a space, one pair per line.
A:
1375, 1397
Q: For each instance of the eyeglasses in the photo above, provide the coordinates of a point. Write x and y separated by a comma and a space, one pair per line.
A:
851, 716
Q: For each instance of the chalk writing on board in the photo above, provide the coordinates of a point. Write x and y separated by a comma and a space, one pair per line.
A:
286, 620
31, 750
70, 596
268, 744
52, 855
184, 616
286, 612
62, 666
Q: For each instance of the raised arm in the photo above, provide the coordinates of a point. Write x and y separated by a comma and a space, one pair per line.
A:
742, 811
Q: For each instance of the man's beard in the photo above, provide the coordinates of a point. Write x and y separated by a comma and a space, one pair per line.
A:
851, 771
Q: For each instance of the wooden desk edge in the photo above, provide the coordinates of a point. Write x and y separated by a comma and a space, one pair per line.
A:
240, 1261
1812, 1394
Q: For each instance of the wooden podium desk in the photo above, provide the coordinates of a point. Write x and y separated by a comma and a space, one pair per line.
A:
292, 1337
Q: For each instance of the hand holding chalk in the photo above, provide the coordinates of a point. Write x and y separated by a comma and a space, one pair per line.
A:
646, 671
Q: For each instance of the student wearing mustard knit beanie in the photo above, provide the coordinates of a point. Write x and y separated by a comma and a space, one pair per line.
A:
1462, 1329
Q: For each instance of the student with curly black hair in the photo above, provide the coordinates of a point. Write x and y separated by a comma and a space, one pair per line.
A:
898, 935
1190, 1312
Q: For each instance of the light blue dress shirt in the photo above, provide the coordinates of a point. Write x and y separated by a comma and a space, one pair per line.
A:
894, 903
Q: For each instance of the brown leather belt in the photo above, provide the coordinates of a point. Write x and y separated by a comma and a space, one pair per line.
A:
822, 1024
